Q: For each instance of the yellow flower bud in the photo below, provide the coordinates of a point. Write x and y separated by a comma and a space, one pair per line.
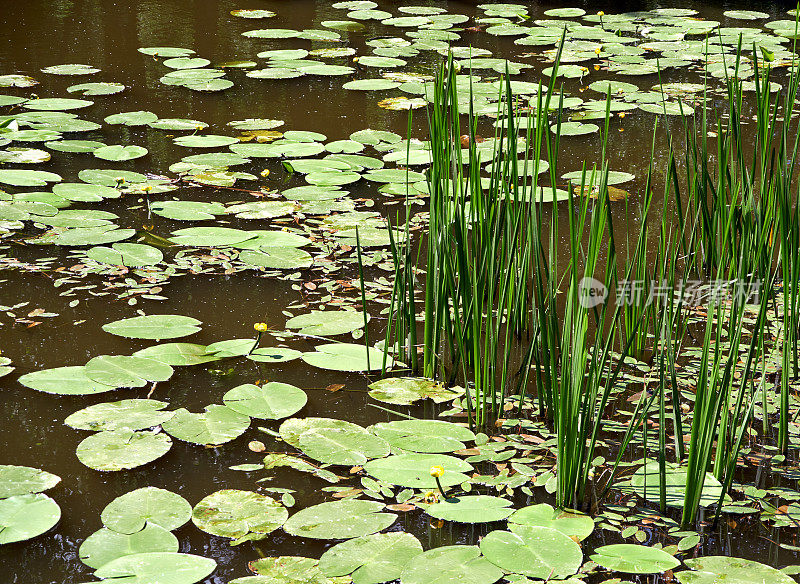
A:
601, 13
597, 51
261, 327
437, 471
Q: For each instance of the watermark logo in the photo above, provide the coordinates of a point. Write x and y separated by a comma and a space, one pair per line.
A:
591, 292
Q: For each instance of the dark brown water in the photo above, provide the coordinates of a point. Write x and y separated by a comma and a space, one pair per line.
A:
106, 34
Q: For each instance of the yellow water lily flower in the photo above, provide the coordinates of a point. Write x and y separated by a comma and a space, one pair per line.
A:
261, 327
437, 471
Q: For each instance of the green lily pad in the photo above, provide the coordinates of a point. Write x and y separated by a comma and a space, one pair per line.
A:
131, 512
570, 523
177, 354
346, 357
154, 326
327, 322
64, 381
157, 567
274, 355
343, 519
271, 401
413, 470
718, 569
407, 390
96, 88
216, 425
23, 517
72, 69
118, 153
456, 563
133, 414
56, 104
106, 545
131, 255
124, 371
239, 515
347, 446
27, 178
538, 552
122, 449
287, 570
371, 559
425, 436
634, 559
471, 509
137, 118
24, 480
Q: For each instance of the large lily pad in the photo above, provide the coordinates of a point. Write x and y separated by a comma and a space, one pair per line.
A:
327, 322
287, 570
348, 446
24, 480
456, 563
216, 425
538, 552
371, 559
471, 509
344, 519
25, 516
407, 390
131, 512
106, 545
346, 357
239, 515
718, 569
271, 401
413, 470
133, 414
570, 523
122, 449
154, 326
64, 381
423, 435
157, 567
634, 559
124, 371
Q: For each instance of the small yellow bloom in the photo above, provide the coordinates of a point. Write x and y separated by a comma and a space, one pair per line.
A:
119, 180
265, 173
621, 114
261, 327
431, 497
601, 13
597, 67
597, 51
437, 471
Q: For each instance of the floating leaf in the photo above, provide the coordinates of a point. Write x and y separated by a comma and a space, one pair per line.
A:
122, 449
413, 470
407, 390
106, 545
271, 401
456, 563
24, 480
423, 435
157, 567
471, 509
371, 559
117, 153
23, 517
344, 519
216, 425
327, 322
346, 357
131, 512
348, 446
64, 381
239, 515
718, 569
133, 414
154, 326
538, 552
570, 523
287, 570
124, 371
634, 559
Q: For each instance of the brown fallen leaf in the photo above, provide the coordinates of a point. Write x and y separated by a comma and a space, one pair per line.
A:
401, 507
335, 386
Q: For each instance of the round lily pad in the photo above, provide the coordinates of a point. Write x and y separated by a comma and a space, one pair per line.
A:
413, 470
456, 563
24, 480
407, 390
471, 509
327, 322
64, 381
131, 512
371, 559
216, 425
173, 568
634, 559
239, 515
106, 545
154, 326
343, 519
346, 357
716, 569
570, 523
538, 552
426, 436
271, 401
122, 449
347, 446
133, 414
23, 517
124, 371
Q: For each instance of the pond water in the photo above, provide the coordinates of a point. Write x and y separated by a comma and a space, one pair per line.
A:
56, 300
